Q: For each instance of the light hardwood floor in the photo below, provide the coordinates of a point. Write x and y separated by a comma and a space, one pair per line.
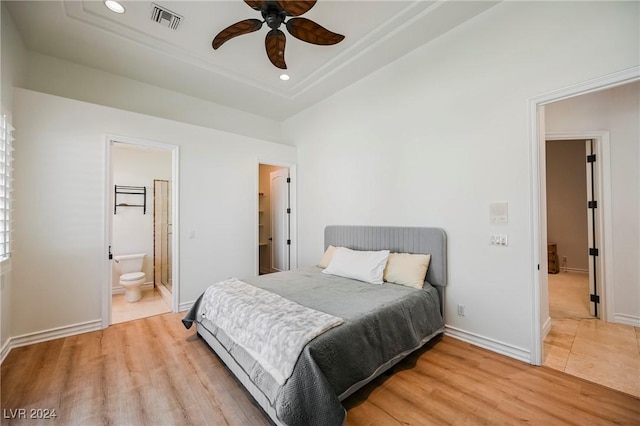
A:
584, 346
155, 372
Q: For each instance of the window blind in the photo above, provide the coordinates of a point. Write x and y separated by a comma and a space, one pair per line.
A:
6, 179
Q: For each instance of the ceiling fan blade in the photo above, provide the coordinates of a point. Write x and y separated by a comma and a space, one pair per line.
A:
275, 43
307, 30
239, 28
255, 4
296, 7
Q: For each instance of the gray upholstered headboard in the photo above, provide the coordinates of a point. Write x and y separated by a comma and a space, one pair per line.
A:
431, 241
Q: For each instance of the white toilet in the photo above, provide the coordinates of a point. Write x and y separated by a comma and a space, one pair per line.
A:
131, 276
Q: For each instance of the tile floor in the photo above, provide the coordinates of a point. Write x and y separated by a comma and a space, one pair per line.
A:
583, 346
151, 304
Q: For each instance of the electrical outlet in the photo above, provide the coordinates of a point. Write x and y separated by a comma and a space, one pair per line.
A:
461, 310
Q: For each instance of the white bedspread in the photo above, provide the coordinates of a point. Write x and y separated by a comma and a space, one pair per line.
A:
272, 329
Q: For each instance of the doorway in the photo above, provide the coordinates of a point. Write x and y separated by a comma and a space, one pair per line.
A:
602, 350
571, 215
140, 195
539, 268
276, 218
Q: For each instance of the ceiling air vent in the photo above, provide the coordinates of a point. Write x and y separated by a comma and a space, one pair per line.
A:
165, 17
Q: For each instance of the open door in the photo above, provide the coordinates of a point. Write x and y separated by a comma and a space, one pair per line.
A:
280, 220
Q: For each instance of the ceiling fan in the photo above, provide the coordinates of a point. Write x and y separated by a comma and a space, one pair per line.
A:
274, 14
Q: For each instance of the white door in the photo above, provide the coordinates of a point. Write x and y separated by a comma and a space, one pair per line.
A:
280, 224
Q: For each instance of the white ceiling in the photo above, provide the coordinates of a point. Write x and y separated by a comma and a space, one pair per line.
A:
238, 74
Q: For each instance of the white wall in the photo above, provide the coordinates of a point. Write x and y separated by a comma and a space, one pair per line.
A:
60, 262
615, 110
435, 137
132, 231
13, 58
63, 78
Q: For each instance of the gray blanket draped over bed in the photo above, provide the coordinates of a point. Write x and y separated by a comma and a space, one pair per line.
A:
370, 338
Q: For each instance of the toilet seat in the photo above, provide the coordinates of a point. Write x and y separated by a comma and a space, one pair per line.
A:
132, 276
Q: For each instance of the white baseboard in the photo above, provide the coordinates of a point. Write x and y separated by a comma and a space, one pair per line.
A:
546, 328
185, 306
5, 350
617, 318
627, 319
490, 344
576, 270
51, 334
120, 289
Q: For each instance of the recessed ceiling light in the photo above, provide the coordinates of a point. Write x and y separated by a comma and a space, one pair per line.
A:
114, 6
284, 77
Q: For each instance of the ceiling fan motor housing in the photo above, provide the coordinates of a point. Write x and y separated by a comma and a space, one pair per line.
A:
273, 16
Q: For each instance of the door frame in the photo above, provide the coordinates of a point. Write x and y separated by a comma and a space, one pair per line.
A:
293, 218
110, 139
538, 226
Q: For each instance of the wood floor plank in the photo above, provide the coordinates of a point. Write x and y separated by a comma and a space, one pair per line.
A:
155, 372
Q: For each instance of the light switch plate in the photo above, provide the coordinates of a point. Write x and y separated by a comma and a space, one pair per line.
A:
499, 239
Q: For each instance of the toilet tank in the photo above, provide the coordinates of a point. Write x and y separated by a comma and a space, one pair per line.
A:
127, 263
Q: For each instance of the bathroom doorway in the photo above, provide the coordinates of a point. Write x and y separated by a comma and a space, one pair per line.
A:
141, 193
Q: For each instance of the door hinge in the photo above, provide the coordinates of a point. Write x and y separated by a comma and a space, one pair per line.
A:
593, 252
288, 180
592, 205
288, 242
591, 158
594, 298
288, 209
110, 254
538, 266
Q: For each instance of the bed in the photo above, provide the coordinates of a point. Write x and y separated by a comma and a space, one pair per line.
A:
364, 329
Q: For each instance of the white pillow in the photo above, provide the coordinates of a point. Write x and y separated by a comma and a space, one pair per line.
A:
326, 258
407, 269
367, 266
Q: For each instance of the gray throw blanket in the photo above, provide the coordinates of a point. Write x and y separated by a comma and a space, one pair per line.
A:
272, 329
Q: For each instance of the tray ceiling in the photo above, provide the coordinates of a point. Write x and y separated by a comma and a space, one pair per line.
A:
239, 74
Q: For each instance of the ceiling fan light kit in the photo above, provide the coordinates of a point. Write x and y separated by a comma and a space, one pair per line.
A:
274, 13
